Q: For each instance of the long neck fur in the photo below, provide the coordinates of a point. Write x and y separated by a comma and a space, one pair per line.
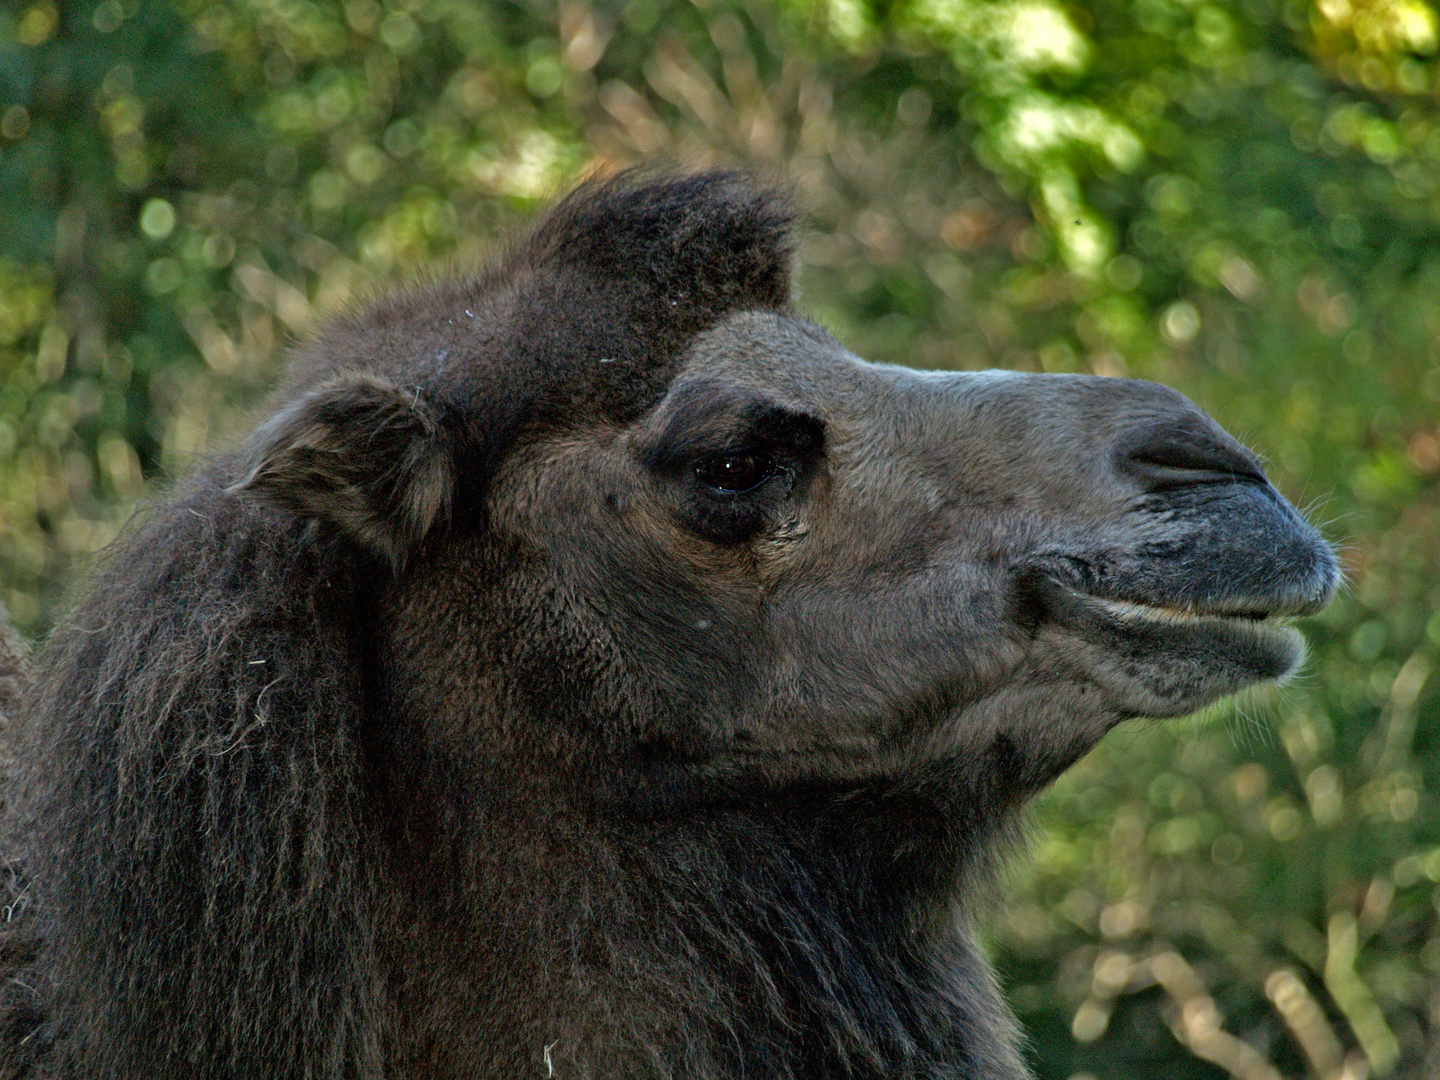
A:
812, 931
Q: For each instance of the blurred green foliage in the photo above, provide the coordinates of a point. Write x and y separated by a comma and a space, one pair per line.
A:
1239, 198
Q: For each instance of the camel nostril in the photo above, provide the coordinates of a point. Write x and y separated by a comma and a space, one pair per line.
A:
1186, 452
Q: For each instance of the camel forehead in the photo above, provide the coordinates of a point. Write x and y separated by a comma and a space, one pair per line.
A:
779, 355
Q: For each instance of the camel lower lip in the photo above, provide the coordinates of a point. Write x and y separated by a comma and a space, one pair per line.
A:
1237, 633
1156, 660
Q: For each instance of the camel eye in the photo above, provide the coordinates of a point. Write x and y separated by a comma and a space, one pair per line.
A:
736, 472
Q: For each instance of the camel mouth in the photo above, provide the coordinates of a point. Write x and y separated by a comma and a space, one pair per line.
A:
1251, 622
1060, 587
1163, 659
1264, 640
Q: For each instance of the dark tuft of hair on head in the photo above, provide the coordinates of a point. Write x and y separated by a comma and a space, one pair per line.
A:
711, 240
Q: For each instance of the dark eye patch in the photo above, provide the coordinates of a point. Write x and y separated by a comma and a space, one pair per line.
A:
733, 454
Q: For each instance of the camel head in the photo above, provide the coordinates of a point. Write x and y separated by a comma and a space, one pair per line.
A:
747, 553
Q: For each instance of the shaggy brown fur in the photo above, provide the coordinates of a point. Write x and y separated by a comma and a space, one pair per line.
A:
589, 669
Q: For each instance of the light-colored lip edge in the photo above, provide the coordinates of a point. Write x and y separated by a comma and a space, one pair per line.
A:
1140, 609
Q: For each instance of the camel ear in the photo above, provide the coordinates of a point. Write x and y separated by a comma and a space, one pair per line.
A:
361, 454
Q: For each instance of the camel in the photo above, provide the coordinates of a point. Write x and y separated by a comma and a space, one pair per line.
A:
588, 668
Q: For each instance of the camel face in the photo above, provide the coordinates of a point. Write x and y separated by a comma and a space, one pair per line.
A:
817, 564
